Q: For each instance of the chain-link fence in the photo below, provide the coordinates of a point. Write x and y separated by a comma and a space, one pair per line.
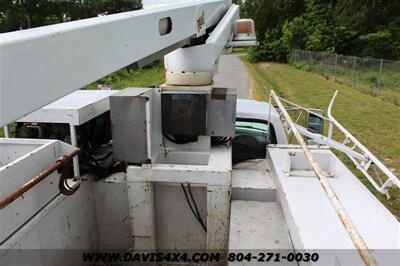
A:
377, 77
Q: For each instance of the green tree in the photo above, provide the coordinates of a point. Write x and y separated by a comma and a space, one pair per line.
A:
318, 26
373, 26
270, 15
23, 14
365, 28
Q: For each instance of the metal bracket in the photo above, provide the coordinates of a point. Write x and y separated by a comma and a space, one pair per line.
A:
68, 183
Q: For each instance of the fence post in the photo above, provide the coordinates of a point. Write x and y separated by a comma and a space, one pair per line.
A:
380, 74
354, 72
334, 75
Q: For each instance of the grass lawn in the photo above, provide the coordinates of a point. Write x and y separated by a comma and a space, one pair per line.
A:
151, 75
365, 80
374, 122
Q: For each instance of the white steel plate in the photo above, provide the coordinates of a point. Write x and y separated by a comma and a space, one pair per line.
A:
253, 185
75, 109
258, 226
57, 234
312, 220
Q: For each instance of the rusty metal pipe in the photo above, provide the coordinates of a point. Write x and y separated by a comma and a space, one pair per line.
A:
34, 181
362, 248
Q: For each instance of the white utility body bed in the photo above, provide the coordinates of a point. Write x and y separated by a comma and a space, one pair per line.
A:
311, 218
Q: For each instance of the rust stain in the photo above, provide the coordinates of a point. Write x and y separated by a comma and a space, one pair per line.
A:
69, 225
210, 215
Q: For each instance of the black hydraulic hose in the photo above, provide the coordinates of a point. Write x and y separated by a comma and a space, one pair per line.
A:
198, 218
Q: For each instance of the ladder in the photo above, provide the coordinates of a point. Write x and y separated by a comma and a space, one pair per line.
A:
358, 153
365, 161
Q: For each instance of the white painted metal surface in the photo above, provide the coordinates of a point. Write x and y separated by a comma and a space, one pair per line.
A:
142, 217
253, 185
215, 172
218, 214
312, 220
242, 43
20, 160
215, 176
74, 109
57, 234
177, 227
74, 142
204, 58
88, 220
40, 65
258, 226
112, 212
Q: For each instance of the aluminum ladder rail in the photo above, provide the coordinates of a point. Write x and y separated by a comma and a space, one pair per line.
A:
359, 243
370, 159
362, 158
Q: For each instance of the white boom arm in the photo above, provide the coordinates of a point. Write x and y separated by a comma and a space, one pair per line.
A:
38, 66
203, 58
